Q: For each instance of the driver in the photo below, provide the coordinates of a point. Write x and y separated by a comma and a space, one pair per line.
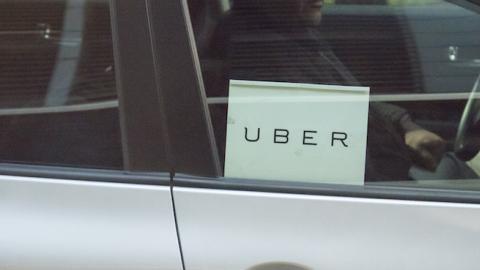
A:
278, 40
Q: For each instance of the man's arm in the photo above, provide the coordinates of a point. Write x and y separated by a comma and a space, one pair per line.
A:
428, 146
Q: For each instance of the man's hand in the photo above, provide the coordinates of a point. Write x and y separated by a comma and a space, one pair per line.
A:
429, 147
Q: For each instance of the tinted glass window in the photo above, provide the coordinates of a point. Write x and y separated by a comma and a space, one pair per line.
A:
58, 101
420, 59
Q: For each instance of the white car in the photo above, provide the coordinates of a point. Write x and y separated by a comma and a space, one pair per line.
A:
113, 152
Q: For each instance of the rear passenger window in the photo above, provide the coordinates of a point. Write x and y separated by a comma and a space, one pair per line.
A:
420, 60
58, 100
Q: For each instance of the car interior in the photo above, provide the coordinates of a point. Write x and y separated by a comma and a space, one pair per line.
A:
408, 52
57, 64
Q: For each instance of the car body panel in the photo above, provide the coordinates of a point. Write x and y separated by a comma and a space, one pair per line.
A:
66, 224
233, 230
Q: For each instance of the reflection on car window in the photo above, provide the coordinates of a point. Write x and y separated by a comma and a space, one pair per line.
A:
57, 84
420, 59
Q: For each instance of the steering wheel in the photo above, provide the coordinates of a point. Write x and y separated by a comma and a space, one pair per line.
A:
467, 141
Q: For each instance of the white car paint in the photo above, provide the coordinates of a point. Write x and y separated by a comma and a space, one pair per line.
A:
237, 230
62, 224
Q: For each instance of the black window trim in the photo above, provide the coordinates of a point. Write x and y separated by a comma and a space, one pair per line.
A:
178, 71
83, 174
368, 191
143, 121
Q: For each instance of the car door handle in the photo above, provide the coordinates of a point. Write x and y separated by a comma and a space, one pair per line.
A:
279, 266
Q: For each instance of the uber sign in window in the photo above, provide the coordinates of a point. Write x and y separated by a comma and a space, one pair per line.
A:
297, 132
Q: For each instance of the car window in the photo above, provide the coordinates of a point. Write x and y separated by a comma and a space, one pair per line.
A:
419, 60
58, 99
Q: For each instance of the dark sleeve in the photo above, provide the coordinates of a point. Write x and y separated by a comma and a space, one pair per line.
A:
396, 115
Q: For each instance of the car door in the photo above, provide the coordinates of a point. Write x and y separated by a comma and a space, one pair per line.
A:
240, 223
84, 177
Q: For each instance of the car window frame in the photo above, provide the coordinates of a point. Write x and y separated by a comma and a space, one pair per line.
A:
143, 143
184, 177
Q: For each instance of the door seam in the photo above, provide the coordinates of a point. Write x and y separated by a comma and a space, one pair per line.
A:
172, 175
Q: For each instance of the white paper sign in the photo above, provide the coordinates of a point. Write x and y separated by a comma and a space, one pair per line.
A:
297, 132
